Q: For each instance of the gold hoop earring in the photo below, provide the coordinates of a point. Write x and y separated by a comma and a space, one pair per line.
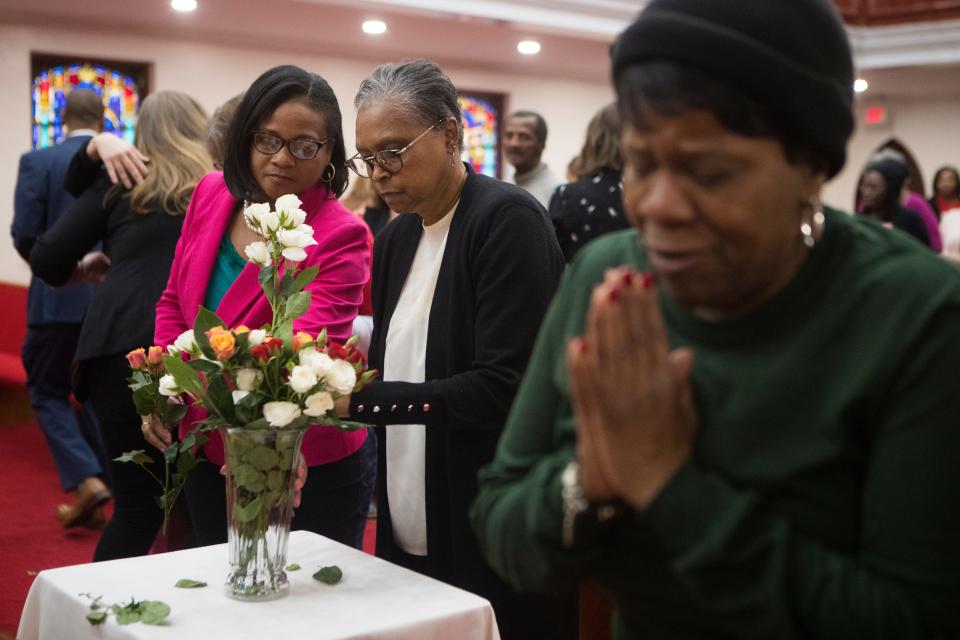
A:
333, 173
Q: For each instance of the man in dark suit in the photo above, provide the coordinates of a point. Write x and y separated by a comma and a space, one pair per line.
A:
54, 317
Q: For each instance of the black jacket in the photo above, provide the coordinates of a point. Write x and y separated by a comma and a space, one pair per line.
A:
500, 268
140, 248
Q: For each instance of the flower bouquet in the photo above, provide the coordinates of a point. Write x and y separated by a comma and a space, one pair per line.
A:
262, 388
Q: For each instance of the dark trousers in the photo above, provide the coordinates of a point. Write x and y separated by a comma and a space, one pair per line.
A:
333, 503
72, 437
136, 516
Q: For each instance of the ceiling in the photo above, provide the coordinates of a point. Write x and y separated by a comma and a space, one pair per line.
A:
481, 34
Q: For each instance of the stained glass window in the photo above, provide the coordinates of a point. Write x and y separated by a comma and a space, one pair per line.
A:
481, 134
121, 100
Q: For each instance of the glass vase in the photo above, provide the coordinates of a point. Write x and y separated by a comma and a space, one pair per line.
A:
261, 466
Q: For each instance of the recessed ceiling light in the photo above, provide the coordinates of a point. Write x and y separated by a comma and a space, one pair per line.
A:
183, 5
374, 27
860, 85
528, 47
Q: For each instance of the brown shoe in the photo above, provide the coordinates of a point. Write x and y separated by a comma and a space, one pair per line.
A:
91, 494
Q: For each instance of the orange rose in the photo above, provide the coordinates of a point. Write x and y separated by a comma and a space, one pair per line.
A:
241, 329
137, 359
301, 340
155, 355
223, 342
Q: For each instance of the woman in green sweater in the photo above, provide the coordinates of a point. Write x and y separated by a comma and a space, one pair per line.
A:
741, 416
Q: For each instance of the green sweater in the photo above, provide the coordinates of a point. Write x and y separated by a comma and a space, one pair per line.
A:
821, 500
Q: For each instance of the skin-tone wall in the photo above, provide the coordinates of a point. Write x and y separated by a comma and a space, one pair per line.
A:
927, 126
213, 73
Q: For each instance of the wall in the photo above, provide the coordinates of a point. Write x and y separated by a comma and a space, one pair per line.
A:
929, 127
213, 73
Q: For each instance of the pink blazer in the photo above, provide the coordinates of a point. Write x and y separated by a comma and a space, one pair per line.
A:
342, 254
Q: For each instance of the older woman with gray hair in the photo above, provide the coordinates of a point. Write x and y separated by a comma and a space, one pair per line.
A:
462, 279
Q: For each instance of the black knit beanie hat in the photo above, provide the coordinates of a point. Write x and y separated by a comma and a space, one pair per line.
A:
792, 56
894, 174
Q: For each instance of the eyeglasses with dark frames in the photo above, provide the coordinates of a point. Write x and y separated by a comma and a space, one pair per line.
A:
390, 160
301, 147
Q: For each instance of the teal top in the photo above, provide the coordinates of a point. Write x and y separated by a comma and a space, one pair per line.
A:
821, 498
228, 266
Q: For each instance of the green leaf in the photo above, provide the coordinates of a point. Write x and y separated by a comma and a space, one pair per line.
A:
186, 377
247, 513
266, 278
172, 413
260, 423
187, 583
305, 277
329, 575
293, 566
221, 398
297, 304
153, 612
249, 478
285, 333
97, 617
145, 398
137, 456
275, 480
286, 284
205, 366
128, 614
186, 462
171, 452
205, 321
263, 458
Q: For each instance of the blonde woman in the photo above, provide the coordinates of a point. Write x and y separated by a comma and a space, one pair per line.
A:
139, 228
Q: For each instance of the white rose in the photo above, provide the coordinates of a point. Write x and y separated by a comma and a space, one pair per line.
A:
248, 379
269, 221
342, 377
259, 252
288, 202
184, 342
257, 336
294, 254
168, 386
294, 218
280, 414
319, 363
302, 379
300, 237
253, 213
238, 395
318, 404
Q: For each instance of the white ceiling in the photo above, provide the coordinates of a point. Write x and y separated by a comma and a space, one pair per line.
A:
480, 34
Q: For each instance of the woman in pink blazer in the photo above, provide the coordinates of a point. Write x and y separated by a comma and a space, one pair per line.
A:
285, 138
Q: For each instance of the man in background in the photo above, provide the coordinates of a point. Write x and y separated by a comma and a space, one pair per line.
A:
54, 317
524, 137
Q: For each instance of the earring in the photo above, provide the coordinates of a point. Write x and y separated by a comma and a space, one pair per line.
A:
809, 229
453, 160
333, 172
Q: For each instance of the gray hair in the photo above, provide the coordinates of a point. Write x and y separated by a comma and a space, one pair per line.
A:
419, 88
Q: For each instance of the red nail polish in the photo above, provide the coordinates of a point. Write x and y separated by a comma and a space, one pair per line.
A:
646, 279
614, 295
627, 279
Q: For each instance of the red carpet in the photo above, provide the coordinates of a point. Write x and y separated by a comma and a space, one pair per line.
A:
31, 540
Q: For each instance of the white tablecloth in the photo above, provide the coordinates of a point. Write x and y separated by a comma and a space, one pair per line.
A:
375, 599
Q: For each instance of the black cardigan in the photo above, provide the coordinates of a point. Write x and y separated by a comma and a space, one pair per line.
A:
140, 248
499, 271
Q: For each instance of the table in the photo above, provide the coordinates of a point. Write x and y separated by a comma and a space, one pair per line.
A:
375, 599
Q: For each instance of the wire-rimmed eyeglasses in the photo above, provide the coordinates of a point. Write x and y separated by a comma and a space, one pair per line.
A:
390, 160
301, 148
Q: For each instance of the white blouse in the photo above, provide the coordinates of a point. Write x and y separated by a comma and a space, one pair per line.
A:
404, 361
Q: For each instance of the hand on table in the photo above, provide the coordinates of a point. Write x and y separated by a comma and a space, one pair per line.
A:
632, 397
